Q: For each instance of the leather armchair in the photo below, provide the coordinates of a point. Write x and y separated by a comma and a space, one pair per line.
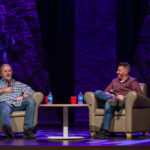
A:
134, 118
17, 117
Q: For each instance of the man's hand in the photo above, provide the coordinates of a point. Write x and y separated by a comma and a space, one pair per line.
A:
19, 98
8, 90
107, 93
110, 94
121, 97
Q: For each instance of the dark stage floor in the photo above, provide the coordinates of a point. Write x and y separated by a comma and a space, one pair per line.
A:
119, 141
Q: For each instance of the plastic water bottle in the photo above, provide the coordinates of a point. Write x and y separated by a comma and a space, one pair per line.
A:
80, 98
50, 98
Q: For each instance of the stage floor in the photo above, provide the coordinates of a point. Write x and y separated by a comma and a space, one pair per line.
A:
119, 141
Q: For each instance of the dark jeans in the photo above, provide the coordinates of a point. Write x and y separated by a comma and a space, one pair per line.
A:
109, 110
27, 104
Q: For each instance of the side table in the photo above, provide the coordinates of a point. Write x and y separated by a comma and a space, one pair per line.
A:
65, 120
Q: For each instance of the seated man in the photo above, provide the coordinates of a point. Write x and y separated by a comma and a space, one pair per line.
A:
113, 98
15, 96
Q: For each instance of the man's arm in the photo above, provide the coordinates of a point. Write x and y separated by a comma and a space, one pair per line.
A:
22, 97
136, 87
26, 96
26, 90
6, 90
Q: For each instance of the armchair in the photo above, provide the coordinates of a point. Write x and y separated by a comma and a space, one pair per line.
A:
134, 118
17, 117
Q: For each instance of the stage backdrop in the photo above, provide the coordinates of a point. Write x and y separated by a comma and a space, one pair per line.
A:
86, 33
95, 46
20, 42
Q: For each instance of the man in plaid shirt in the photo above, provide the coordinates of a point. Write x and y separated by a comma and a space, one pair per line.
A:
15, 96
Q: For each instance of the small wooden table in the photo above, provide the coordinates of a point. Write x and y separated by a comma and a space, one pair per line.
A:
65, 120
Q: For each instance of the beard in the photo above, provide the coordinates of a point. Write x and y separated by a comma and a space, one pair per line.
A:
120, 76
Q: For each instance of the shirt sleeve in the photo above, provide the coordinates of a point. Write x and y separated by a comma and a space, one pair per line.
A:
27, 89
109, 87
136, 87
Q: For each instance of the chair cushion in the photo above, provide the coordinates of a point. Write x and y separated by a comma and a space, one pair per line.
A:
100, 112
18, 114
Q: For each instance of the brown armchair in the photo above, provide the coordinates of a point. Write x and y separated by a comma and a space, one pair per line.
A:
17, 117
134, 118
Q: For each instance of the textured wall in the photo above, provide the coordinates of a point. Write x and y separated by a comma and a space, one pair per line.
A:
94, 51
95, 44
95, 47
21, 42
142, 56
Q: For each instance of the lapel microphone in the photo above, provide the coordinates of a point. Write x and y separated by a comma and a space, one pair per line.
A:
9, 82
112, 92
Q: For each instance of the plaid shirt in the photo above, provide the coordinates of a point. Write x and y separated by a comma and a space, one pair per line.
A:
18, 89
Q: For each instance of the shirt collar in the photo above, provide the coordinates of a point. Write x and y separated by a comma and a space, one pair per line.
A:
13, 80
124, 81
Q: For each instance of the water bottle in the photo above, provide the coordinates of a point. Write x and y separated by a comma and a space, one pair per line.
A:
80, 98
50, 98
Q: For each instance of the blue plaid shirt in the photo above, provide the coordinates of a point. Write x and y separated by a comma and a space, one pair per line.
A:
18, 89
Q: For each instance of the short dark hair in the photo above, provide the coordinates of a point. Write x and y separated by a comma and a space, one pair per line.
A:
125, 65
1, 67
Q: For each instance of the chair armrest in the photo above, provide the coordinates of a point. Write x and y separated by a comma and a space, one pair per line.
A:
38, 97
135, 100
90, 99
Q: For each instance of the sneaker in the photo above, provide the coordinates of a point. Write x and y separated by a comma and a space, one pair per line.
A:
7, 130
28, 134
102, 134
113, 102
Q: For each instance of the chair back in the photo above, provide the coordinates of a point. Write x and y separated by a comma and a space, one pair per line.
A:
143, 88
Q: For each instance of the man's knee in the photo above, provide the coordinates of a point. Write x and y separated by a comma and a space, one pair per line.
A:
5, 111
98, 93
31, 101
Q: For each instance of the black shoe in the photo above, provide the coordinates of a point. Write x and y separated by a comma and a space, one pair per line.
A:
28, 134
7, 130
34, 130
102, 134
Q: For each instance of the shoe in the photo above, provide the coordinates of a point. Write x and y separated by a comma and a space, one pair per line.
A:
113, 102
28, 134
34, 130
121, 103
102, 134
8, 132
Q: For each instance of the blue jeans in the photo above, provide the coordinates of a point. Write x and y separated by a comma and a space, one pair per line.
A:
109, 110
27, 105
